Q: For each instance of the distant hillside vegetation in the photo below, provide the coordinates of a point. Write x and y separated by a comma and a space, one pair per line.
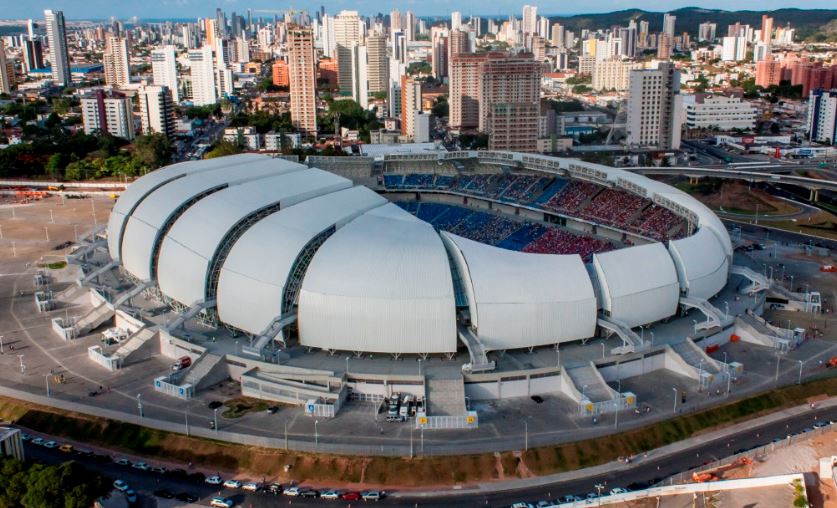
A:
809, 23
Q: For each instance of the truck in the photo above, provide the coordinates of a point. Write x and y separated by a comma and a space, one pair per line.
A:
181, 363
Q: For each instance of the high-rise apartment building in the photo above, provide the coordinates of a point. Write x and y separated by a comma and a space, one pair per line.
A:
410, 104
156, 110
164, 70
303, 80
409, 27
613, 74
108, 113
822, 116
455, 20
669, 21
279, 73
6, 77
116, 63
360, 75
766, 35
706, 31
376, 49
509, 101
464, 111
202, 71
394, 20
530, 19
655, 108
768, 72
346, 34
665, 43
734, 49
59, 56
33, 55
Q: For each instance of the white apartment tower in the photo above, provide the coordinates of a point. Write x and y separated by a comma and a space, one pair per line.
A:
164, 70
156, 110
202, 72
655, 108
346, 34
59, 57
530, 19
455, 20
104, 113
376, 48
360, 75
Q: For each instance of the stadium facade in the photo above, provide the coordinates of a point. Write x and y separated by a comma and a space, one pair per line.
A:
266, 242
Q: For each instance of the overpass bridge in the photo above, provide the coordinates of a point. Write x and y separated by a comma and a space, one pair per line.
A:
813, 184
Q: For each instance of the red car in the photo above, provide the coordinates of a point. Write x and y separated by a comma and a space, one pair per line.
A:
351, 496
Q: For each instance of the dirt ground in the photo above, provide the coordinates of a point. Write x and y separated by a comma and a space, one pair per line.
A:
737, 197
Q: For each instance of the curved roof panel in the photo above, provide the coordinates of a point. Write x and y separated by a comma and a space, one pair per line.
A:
382, 283
142, 187
188, 249
142, 231
254, 275
639, 284
701, 263
526, 300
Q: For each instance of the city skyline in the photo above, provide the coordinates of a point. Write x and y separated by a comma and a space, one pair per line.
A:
77, 10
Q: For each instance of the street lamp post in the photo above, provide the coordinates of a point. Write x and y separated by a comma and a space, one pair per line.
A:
46, 378
675, 400
799, 381
22, 366
700, 374
215, 419
603, 349
347, 365
2, 351
726, 307
316, 435
139, 404
652, 337
778, 360
525, 436
186, 417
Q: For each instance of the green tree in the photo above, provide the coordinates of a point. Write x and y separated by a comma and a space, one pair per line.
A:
152, 150
56, 164
440, 107
223, 148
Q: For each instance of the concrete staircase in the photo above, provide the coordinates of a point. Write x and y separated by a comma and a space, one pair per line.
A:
138, 343
758, 282
208, 370
590, 383
696, 357
93, 319
445, 397
755, 330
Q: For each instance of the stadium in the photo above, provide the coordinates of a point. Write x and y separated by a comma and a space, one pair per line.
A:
466, 257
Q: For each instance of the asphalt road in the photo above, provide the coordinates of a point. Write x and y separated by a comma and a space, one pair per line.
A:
644, 470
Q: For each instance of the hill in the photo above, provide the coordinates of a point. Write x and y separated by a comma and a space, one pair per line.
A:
808, 22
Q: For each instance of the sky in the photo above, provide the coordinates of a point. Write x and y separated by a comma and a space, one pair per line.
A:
102, 9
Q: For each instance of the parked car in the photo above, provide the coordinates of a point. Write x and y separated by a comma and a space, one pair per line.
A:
617, 490
252, 486
84, 452
38, 441
122, 462
372, 495
142, 466
131, 496
221, 502
275, 488
159, 469
351, 495
232, 484
164, 494
66, 448
291, 491
50, 444
120, 485
186, 497
181, 363
214, 480
330, 494
308, 493
25, 437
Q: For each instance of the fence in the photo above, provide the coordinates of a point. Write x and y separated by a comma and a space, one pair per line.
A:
112, 363
184, 392
470, 420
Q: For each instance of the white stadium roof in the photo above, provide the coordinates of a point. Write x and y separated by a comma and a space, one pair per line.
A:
520, 300
256, 270
192, 242
142, 229
382, 284
638, 284
701, 263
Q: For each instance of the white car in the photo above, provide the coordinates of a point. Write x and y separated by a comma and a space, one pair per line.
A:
214, 480
120, 485
221, 502
252, 486
122, 462
617, 491
372, 495
330, 494
141, 466
232, 484
50, 444
38, 441
291, 491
